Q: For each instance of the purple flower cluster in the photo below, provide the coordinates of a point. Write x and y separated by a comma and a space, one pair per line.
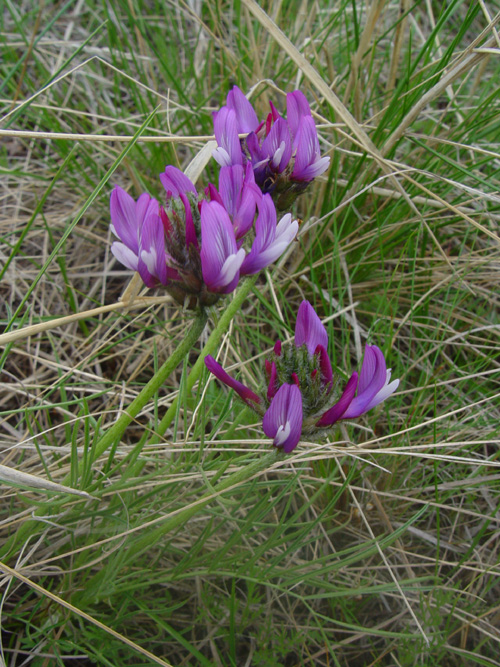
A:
198, 245
284, 153
300, 394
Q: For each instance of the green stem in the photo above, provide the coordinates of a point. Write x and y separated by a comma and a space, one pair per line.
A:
210, 347
101, 581
114, 433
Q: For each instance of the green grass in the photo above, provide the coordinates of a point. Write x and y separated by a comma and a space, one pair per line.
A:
377, 546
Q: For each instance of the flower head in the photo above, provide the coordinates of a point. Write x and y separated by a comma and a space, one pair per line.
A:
284, 153
301, 393
198, 245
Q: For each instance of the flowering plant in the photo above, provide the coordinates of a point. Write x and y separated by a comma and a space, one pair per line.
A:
198, 245
284, 153
300, 394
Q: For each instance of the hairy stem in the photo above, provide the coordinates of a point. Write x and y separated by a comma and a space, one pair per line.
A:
210, 347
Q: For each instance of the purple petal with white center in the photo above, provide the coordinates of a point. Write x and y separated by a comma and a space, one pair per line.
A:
308, 160
283, 419
153, 249
373, 374
271, 240
246, 117
222, 157
309, 329
213, 194
124, 255
374, 383
315, 169
175, 181
278, 145
243, 392
124, 222
226, 133
220, 258
297, 107
388, 389
337, 411
240, 195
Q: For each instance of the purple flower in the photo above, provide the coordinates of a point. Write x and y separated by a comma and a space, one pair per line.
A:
374, 383
246, 394
176, 183
220, 258
283, 420
308, 161
300, 395
284, 154
196, 245
240, 196
226, 132
140, 229
309, 330
246, 117
276, 149
271, 239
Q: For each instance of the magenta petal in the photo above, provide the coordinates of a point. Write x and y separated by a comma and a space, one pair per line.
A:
243, 392
230, 185
308, 154
246, 117
373, 371
145, 206
265, 231
153, 248
309, 329
337, 411
368, 368
278, 145
220, 258
226, 133
313, 170
240, 196
271, 240
325, 366
297, 107
374, 384
191, 237
270, 243
175, 181
213, 194
252, 142
272, 387
124, 223
283, 419
274, 112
